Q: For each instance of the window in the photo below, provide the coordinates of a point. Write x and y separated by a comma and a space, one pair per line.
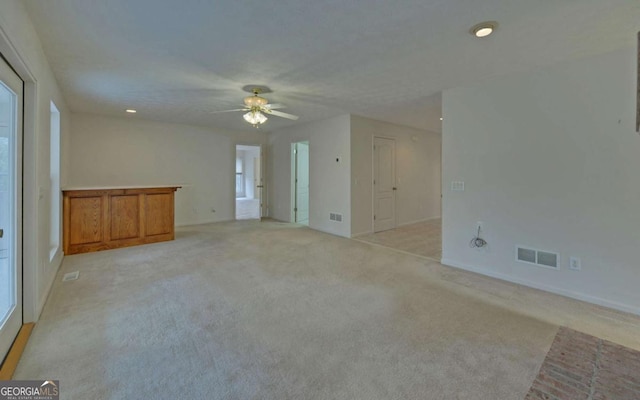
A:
54, 183
239, 176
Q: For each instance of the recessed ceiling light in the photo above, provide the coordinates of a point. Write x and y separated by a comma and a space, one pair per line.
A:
441, 118
131, 111
484, 29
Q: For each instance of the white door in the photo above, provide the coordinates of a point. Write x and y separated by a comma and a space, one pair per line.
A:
260, 193
384, 184
302, 182
256, 178
10, 207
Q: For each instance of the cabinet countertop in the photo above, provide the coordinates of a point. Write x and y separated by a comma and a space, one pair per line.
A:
73, 188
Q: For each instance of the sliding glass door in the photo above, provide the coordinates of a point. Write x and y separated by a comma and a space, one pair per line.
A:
10, 207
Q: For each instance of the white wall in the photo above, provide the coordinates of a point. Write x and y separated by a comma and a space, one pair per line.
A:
108, 151
329, 181
550, 159
20, 44
417, 172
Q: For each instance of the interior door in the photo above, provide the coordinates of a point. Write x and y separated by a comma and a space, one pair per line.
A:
384, 184
260, 187
302, 182
10, 207
256, 178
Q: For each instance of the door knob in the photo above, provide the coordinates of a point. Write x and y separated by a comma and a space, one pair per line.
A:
1, 233
260, 186
395, 188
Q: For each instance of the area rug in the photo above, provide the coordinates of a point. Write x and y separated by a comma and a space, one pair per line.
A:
580, 366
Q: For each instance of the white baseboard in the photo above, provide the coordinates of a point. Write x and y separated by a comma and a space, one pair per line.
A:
552, 289
183, 224
355, 235
56, 263
347, 236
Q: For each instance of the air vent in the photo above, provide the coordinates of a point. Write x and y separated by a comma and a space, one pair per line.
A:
71, 276
537, 257
526, 255
548, 259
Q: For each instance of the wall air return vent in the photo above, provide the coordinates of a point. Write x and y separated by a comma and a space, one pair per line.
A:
526, 255
541, 258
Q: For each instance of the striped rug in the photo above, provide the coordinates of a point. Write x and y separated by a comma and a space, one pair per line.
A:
580, 366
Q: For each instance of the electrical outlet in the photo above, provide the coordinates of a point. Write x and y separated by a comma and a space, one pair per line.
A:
574, 264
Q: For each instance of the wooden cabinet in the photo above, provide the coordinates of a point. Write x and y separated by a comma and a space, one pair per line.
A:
102, 219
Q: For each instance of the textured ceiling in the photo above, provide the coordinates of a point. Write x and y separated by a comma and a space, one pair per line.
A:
177, 61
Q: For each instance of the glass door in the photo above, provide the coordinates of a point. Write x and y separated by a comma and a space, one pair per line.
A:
10, 207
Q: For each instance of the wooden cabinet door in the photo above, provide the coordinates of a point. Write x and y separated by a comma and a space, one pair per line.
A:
125, 216
86, 218
159, 214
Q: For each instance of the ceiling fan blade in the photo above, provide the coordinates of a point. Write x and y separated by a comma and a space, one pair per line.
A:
274, 106
283, 115
224, 111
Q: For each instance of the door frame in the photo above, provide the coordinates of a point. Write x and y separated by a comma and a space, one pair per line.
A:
31, 304
14, 225
373, 176
294, 185
263, 160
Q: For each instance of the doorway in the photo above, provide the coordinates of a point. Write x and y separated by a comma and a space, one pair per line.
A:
11, 95
300, 182
384, 184
248, 182
409, 218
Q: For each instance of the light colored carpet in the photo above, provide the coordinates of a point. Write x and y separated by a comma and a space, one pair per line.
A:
422, 238
251, 310
247, 208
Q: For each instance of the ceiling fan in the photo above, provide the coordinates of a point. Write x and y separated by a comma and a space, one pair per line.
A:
258, 108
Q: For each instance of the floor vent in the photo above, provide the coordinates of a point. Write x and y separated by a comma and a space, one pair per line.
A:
71, 276
537, 257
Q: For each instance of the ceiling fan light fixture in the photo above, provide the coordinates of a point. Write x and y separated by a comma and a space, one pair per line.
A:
257, 108
255, 118
255, 101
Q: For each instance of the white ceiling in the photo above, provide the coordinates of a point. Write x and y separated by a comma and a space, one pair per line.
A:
177, 60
